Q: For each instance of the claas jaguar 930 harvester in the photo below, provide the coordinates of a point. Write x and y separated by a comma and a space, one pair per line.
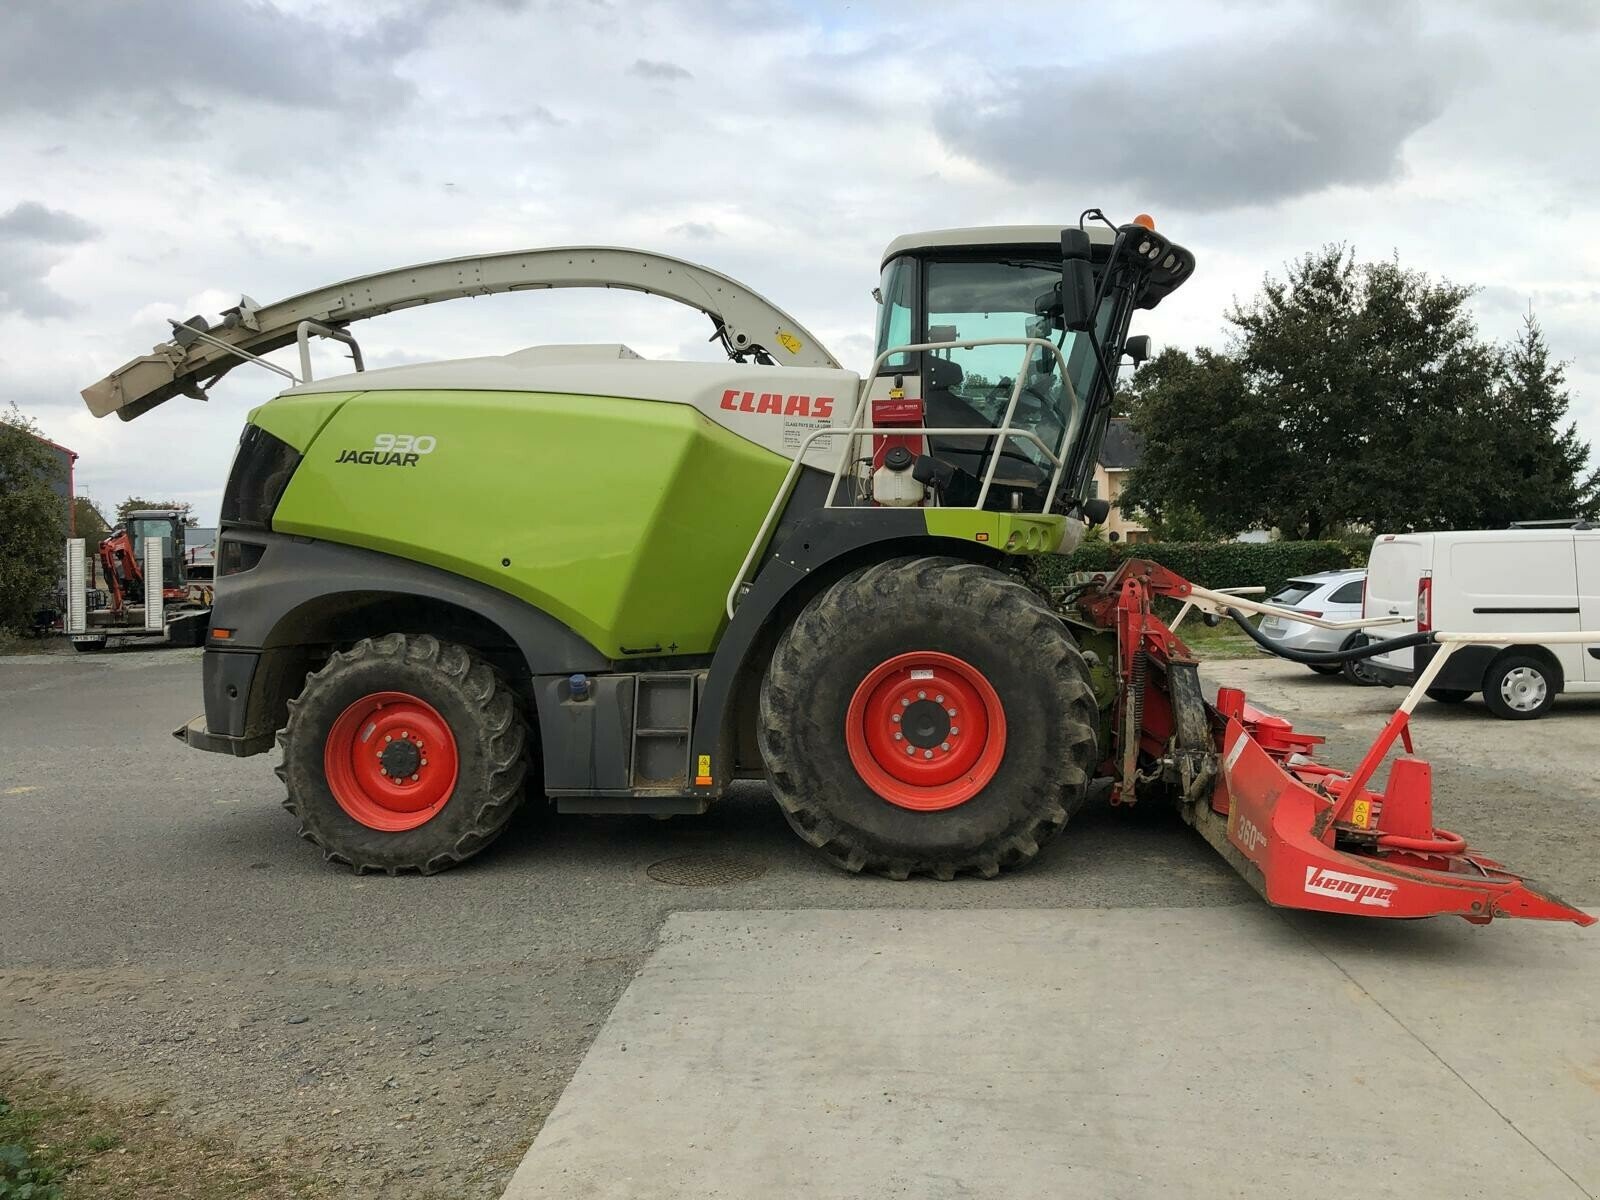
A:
623, 584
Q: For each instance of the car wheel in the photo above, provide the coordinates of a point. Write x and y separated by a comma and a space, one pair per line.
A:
1356, 671
1448, 695
1326, 668
1519, 687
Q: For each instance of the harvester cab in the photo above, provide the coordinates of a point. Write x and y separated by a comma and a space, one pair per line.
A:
1012, 326
770, 568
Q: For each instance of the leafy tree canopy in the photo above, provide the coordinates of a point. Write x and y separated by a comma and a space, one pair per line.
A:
33, 522
1357, 395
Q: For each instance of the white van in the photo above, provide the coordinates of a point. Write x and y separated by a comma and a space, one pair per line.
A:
1491, 580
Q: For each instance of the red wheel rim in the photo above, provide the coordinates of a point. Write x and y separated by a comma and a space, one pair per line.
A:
391, 761
925, 731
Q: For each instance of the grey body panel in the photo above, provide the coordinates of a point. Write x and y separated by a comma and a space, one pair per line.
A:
185, 365
301, 589
299, 578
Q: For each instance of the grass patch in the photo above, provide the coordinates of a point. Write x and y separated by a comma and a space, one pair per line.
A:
58, 1143
1227, 640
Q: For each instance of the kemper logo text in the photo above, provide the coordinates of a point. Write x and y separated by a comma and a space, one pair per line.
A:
1357, 889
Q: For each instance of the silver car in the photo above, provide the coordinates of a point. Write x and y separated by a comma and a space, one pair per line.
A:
1332, 595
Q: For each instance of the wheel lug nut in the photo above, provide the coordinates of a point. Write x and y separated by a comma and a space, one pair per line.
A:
383, 771
944, 745
927, 754
898, 736
895, 718
938, 699
413, 779
387, 738
911, 749
954, 731
904, 702
951, 711
922, 695
424, 762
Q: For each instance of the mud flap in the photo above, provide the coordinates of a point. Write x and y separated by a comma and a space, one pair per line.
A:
1194, 746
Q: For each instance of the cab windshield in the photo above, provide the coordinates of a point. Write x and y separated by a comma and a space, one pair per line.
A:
142, 528
968, 298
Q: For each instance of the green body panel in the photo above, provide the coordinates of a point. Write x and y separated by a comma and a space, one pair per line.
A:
625, 519
1014, 533
298, 419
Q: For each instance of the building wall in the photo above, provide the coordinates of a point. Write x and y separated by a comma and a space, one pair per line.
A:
61, 478
1108, 485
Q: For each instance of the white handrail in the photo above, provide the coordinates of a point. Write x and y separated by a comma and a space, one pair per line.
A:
1217, 602
787, 486
853, 429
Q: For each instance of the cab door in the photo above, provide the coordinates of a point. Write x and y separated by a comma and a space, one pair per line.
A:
1586, 548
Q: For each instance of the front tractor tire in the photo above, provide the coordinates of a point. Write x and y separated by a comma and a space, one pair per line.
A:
928, 716
403, 753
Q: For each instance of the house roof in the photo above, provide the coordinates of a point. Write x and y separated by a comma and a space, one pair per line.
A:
54, 445
1122, 447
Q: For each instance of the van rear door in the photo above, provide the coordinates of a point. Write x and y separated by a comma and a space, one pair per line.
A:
1396, 563
1586, 546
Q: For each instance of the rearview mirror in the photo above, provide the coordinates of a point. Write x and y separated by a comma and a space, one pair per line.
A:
1077, 281
1137, 348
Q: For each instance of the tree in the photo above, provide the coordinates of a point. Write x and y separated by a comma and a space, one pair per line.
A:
32, 523
135, 503
1356, 395
87, 522
1546, 459
1207, 450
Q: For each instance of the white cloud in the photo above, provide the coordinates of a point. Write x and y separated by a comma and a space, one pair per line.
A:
274, 147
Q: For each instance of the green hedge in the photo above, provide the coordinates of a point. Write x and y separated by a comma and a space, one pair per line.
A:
1210, 564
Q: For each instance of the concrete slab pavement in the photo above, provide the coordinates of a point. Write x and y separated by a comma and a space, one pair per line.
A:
1115, 1053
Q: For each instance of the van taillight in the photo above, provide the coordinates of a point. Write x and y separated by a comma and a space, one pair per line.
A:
1363, 597
1425, 603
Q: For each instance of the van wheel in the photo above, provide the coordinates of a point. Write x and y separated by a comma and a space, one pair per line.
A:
1519, 687
1448, 695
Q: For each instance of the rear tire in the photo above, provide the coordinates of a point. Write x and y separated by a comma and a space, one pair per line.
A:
1448, 695
428, 814
987, 647
89, 647
1355, 672
1326, 668
1519, 687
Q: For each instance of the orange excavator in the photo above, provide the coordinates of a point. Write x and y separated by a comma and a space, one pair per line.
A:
122, 559
143, 565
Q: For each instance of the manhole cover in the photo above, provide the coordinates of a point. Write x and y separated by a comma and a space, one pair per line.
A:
704, 870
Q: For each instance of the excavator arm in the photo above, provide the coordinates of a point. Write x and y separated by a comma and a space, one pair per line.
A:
199, 354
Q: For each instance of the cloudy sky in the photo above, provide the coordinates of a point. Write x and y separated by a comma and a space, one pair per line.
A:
162, 156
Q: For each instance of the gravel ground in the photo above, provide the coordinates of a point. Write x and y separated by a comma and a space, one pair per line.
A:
168, 939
